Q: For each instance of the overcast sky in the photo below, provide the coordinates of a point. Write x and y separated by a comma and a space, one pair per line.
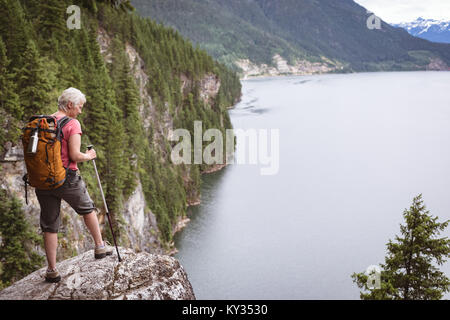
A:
394, 11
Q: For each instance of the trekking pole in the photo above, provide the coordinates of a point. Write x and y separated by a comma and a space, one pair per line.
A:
106, 207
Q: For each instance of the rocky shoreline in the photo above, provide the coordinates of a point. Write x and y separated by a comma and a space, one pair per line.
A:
282, 68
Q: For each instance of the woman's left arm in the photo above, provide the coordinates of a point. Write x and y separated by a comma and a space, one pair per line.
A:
74, 150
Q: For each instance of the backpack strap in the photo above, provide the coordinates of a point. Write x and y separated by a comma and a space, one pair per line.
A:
61, 124
25, 179
60, 135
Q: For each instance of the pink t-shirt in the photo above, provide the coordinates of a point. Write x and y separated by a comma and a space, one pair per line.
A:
71, 128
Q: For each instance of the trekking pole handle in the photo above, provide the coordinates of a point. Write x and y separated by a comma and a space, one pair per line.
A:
90, 147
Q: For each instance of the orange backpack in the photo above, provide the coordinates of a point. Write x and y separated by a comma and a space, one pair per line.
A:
41, 141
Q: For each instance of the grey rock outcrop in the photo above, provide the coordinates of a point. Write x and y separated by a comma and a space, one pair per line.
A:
140, 276
12, 153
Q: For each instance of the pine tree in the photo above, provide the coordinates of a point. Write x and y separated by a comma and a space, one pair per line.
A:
52, 20
114, 170
95, 78
14, 29
90, 4
408, 272
9, 100
107, 124
33, 83
17, 257
123, 5
31, 9
10, 110
127, 97
164, 223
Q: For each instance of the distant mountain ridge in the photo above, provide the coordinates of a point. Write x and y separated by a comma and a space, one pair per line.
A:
429, 29
312, 35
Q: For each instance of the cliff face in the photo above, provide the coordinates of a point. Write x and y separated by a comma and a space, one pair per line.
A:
140, 276
162, 125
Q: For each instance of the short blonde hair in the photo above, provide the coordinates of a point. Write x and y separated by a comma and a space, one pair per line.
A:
70, 95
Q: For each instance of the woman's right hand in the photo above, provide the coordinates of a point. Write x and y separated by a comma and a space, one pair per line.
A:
91, 154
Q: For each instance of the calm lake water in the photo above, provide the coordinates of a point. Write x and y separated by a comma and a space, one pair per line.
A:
353, 152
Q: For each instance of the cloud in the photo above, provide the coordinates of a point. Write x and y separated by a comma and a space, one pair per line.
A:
394, 11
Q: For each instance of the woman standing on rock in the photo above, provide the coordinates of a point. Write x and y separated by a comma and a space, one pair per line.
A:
73, 191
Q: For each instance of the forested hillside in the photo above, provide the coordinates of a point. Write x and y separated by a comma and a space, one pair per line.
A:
40, 57
216, 27
327, 31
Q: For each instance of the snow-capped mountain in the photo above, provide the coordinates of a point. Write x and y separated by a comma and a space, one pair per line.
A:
430, 29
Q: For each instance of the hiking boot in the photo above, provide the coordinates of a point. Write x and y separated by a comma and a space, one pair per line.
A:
103, 251
52, 276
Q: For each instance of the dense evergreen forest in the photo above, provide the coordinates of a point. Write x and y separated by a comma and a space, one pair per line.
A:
228, 30
40, 57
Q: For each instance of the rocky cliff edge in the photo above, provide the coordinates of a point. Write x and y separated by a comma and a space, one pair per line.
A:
140, 276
